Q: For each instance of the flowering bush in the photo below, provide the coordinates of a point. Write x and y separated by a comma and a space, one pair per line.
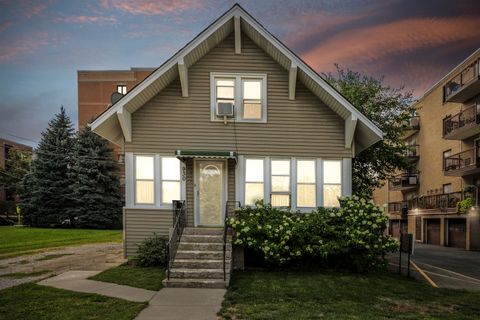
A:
352, 235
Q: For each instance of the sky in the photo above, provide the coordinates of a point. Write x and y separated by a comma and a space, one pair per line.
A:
410, 43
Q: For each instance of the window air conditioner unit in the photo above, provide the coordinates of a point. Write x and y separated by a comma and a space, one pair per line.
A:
225, 109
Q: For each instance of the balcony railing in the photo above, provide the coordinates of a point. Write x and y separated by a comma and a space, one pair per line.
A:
439, 201
404, 182
412, 126
397, 207
460, 160
468, 76
461, 122
413, 151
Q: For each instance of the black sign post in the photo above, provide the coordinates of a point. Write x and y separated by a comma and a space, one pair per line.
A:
406, 246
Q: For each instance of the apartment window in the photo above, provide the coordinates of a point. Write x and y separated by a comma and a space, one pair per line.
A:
447, 188
280, 183
122, 89
446, 163
170, 180
332, 182
306, 187
247, 92
144, 180
253, 180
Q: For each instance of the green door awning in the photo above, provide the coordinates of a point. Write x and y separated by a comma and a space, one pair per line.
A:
183, 154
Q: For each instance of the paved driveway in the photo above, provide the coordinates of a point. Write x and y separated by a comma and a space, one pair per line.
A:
449, 267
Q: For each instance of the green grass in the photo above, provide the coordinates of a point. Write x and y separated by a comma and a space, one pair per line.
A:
149, 278
21, 275
53, 256
19, 241
35, 302
328, 295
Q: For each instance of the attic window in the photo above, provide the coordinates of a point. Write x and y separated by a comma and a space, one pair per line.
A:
247, 93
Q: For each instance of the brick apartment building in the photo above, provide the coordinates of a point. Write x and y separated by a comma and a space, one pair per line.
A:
445, 146
97, 88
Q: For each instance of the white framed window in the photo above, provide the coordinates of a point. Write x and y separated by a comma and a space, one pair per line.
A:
145, 179
280, 183
170, 180
254, 180
332, 182
306, 184
122, 89
247, 92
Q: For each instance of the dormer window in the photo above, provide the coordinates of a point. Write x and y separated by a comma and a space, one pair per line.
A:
245, 92
122, 89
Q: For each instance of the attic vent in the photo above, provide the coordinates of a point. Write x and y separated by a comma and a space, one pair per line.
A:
115, 97
225, 109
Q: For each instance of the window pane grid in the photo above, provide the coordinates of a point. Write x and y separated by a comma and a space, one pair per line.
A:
253, 180
306, 184
144, 180
170, 181
280, 183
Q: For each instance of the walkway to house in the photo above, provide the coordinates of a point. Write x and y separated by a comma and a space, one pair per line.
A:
168, 303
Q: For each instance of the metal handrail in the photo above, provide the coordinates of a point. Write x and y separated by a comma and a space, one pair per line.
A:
466, 117
225, 233
463, 78
179, 223
460, 160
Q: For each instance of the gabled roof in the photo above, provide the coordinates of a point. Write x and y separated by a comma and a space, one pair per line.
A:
113, 123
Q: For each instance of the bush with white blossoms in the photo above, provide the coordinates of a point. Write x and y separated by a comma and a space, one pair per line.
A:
350, 236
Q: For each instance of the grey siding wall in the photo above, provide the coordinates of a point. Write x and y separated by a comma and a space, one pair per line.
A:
141, 224
303, 127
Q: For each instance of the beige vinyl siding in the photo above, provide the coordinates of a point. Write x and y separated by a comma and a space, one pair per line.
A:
144, 223
304, 127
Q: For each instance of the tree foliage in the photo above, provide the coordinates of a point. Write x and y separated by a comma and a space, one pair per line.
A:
390, 110
17, 165
47, 198
96, 187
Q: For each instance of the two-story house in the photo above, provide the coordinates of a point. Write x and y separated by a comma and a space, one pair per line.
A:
233, 116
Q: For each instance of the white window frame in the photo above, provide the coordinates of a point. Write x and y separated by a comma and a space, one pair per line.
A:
238, 95
289, 191
316, 183
169, 180
135, 181
263, 182
122, 86
130, 182
341, 184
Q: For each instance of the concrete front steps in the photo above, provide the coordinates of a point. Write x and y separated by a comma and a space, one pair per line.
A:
199, 260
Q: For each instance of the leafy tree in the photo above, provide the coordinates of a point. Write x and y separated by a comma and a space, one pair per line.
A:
96, 189
47, 199
388, 108
17, 165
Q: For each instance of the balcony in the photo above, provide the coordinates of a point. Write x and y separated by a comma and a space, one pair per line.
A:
404, 182
413, 125
462, 125
413, 152
398, 208
438, 201
464, 86
461, 164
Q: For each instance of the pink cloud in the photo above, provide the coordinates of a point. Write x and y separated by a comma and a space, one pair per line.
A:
32, 8
22, 46
151, 7
87, 19
369, 45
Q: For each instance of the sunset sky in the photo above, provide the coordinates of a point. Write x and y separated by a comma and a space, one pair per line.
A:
44, 43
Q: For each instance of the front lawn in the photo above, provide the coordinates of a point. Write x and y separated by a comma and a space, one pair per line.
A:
329, 295
149, 278
32, 301
15, 241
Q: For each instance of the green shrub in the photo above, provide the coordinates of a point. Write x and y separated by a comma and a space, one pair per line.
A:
350, 236
464, 205
151, 252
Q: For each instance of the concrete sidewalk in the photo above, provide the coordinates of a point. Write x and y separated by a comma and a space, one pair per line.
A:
77, 281
184, 304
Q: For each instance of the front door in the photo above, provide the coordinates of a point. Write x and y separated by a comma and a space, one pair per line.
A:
210, 192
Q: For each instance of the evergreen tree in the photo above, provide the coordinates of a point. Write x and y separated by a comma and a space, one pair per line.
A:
96, 190
17, 165
47, 200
